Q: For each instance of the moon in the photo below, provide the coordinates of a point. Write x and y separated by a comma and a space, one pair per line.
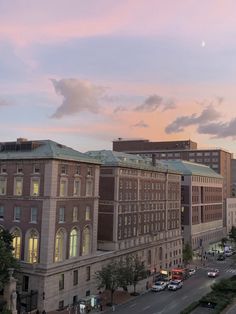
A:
203, 44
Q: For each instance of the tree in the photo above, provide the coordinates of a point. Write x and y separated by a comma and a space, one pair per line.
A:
6, 257
232, 234
223, 242
135, 270
109, 278
187, 253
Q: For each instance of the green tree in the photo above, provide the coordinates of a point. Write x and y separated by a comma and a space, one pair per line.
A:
135, 271
187, 253
6, 257
109, 277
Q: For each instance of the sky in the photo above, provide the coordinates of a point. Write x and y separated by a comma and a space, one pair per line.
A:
84, 73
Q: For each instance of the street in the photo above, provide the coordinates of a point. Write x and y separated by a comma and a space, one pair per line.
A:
170, 302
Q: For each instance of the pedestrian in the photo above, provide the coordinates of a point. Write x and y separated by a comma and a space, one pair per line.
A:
44, 312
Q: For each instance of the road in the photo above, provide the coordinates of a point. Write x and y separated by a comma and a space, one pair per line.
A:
170, 302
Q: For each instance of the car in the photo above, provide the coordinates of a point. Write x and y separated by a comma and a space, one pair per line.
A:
221, 257
213, 273
159, 286
228, 253
175, 285
192, 272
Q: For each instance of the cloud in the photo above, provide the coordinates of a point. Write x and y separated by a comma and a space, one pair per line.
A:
140, 124
153, 102
119, 109
220, 129
77, 96
207, 115
4, 102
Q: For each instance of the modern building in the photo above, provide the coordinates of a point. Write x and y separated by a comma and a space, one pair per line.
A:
216, 158
139, 209
230, 213
233, 176
49, 202
202, 203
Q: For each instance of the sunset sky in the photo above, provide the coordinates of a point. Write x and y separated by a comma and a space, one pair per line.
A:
85, 72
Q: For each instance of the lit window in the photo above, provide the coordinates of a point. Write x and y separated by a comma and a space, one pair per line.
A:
35, 187
62, 214
87, 213
1, 212
59, 246
16, 243
18, 186
73, 242
17, 213
86, 241
75, 214
33, 247
3, 185
34, 213
77, 187
63, 187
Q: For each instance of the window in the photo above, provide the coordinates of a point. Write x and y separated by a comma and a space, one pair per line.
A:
33, 216
75, 277
78, 170
61, 281
63, 187
1, 212
18, 186
36, 168
3, 169
75, 214
59, 246
64, 169
87, 273
16, 243
77, 187
25, 283
89, 187
89, 171
17, 213
35, 186
61, 305
73, 242
3, 185
33, 247
61, 215
19, 169
86, 241
87, 213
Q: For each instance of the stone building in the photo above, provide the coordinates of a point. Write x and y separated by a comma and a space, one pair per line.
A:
139, 209
49, 202
202, 203
230, 213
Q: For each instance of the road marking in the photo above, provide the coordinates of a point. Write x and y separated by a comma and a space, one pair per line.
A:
184, 297
200, 288
132, 305
146, 307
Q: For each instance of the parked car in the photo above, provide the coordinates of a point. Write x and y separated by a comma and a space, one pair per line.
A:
192, 271
213, 273
175, 285
159, 286
221, 257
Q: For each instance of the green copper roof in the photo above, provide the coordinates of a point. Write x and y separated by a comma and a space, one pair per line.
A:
45, 149
119, 159
191, 168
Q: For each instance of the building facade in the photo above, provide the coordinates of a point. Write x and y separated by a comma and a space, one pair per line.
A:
218, 159
202, 203
49, 202
230, 213
139, 209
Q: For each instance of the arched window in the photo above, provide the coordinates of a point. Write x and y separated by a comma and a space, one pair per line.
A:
86, 241
33, 244
73, 243
59, 245
16, 243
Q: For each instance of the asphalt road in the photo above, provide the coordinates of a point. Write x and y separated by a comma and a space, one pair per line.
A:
172, 302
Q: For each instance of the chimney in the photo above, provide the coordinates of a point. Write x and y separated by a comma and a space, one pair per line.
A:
21, 140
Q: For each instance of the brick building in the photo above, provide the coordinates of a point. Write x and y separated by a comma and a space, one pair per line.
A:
139, 209
202, 203
49, 202
218, 159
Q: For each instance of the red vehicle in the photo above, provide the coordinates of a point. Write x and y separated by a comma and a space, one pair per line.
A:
179, 274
